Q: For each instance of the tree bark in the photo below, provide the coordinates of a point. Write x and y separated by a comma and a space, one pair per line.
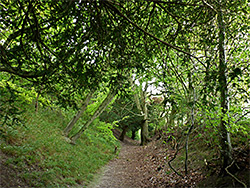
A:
144, 126
172, 114
226, 147
137, 102
124, 131
133, 134
36, 102
97, 113
78, 115
190, 117
142, 107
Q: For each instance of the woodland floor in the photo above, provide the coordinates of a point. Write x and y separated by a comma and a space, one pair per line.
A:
9, 174
147, 167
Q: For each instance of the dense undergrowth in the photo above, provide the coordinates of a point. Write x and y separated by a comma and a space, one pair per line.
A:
40, 156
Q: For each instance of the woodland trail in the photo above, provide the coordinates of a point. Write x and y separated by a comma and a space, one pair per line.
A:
142, 167
122, 171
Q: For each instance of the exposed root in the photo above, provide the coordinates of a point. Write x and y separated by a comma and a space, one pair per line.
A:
169, 162
234, 176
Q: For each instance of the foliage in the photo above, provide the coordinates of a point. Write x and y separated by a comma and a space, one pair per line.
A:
9, 113
63, 49
105, 132
124, 113
15, 94
45, 157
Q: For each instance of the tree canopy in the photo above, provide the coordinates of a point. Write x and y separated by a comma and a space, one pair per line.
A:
196, 51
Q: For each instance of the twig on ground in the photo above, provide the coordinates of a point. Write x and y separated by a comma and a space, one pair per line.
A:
234, 176
169, 162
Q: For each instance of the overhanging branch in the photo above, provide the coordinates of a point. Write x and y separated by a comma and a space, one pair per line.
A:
174, 2
147, 33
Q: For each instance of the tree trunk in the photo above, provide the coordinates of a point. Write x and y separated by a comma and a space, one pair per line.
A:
78, 115
36, 102
97, 113
124, 131
37, 97
226, 147
137, 102
142, 107
190, 116
144, 132
144, 126
133, 134
172, 114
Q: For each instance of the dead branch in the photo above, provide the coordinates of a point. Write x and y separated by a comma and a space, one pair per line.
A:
242, 183
169, 162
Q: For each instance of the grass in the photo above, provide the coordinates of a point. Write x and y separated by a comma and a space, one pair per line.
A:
45, 157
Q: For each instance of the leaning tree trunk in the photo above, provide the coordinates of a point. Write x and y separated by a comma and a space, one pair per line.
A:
226, 147
124, 131
97, 113
78, 115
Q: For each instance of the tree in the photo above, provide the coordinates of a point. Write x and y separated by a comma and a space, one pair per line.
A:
140, 98
85, 45
226, 146
205, 37
79, 114
96, 114
128, 116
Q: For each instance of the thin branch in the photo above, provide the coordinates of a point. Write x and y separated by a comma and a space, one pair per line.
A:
174, 70
173, 16
149, 34
210, 6
22, 73
169, 162
242, 183
140, 115
150, 16
241, 117
174, 2
179, 76
26, 19
189, 131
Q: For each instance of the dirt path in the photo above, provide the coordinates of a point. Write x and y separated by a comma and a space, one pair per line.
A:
121, 171
142, 167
